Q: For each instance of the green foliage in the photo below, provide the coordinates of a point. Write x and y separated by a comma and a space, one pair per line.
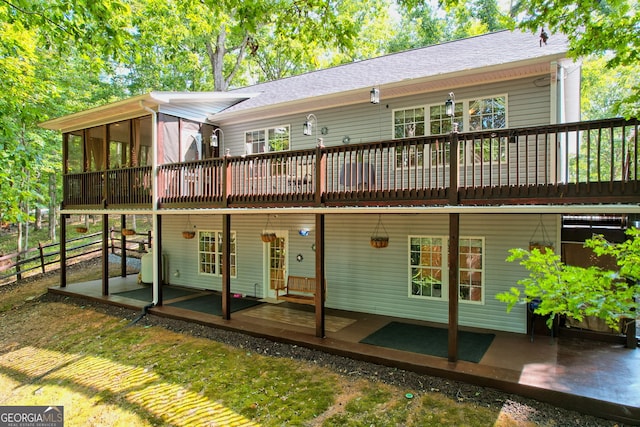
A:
593, 28
605, 88
425, 23
577, 292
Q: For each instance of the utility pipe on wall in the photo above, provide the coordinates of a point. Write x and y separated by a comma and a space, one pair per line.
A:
154, 197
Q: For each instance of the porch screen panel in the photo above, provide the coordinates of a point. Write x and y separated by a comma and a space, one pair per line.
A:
119, 144
95, 149
75, 152
170, 139
142, 140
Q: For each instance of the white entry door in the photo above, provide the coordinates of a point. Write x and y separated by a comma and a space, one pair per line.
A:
276, 263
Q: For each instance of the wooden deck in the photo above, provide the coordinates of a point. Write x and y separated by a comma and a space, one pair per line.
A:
593, 162
598, 378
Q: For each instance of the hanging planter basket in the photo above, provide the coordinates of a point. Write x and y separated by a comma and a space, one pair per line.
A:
82, 229
189, 232
379, 240
268, 236
128, 232
544, 243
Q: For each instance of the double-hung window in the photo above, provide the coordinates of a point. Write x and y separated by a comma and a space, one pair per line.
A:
429, 271
210, 253
427, 267
264, 140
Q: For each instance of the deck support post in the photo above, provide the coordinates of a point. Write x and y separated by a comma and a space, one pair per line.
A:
320, 278
123, 247
105, 254
454, 250
226, 266
63, 249
157, 250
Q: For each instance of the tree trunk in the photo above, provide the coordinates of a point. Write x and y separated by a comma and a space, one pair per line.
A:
37, 224
52, 208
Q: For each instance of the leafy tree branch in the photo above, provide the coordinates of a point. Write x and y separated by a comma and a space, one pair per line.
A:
577, 292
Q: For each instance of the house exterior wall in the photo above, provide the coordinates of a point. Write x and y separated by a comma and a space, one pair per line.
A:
528, 105
359, 277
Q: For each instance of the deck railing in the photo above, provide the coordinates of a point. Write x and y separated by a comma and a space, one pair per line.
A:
594, 162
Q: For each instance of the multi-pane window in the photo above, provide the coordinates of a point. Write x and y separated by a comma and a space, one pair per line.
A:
441, 123
426, 266
409, 122
429, 272
471, 267
265, 140
210, 253
488, 113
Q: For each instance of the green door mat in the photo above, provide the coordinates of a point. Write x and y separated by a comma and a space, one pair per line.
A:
146, 293
212, 304
429, 340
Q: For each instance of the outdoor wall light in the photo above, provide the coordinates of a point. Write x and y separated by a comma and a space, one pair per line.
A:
214, 141
307, 126
375, 95
450, 105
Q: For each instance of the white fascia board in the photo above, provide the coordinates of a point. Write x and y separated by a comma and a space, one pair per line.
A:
515, 209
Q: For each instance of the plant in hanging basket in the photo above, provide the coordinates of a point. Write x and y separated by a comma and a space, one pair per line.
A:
541, 246
268, 237
188, 234
128, 232
82, 229
379, 242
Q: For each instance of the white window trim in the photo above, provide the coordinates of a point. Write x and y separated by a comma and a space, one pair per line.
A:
218, 267
482, 270
413, 107
465, 113
266, 137
445, 270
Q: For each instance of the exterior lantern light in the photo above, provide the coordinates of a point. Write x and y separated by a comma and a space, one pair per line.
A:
450, 105
307, 126
215, 141
375, 95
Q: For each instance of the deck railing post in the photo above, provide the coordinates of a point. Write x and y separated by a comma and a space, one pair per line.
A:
320, 175
453, 168
226, 181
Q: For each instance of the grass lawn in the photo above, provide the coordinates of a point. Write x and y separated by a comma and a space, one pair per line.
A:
105, 373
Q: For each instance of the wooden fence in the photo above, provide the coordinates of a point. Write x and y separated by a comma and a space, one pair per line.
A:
44, 255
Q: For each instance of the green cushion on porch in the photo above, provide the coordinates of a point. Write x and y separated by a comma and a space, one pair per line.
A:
212, 304
429, 340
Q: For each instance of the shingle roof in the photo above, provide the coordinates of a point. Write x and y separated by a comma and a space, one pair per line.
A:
494, 49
